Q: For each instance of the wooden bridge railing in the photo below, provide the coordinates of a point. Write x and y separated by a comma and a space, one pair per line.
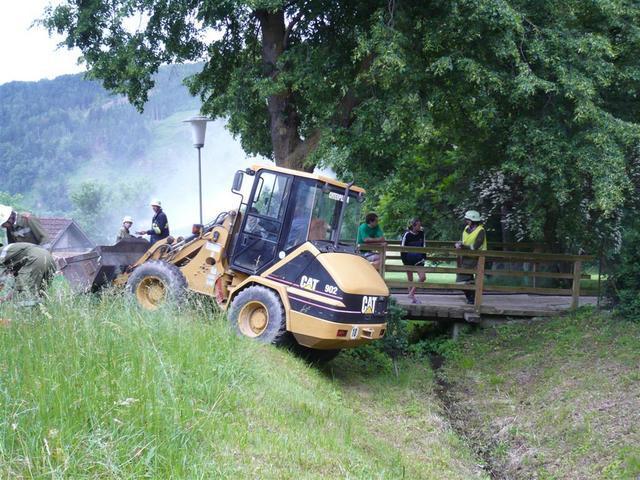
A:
502, 246
437, 256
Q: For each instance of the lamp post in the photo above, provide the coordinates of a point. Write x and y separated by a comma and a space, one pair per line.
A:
198, 131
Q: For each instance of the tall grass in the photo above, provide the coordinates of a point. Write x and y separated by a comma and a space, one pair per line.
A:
93, 387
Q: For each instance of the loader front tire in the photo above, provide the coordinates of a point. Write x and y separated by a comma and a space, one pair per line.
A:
156, 283
257, 312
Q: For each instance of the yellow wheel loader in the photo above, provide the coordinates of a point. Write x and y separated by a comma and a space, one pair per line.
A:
283, 265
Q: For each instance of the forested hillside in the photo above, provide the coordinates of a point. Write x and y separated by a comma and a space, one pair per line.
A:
69, 147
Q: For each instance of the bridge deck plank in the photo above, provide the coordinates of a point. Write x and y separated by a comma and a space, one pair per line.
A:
453, 306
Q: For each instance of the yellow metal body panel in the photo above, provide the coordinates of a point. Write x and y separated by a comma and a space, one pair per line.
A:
353, 274
313, 332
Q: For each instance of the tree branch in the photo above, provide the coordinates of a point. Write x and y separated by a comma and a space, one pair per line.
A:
289, 28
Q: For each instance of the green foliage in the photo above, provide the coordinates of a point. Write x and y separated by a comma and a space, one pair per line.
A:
624, 277
525, 110
98, 208
395, 341
15, 201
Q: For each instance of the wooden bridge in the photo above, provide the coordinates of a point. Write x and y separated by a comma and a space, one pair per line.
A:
508, 283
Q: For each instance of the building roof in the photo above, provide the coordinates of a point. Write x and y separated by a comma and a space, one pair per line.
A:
55, 229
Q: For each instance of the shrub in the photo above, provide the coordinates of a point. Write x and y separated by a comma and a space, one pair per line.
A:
624, 284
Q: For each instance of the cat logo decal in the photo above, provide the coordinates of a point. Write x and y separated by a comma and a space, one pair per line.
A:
369, 305
308, 283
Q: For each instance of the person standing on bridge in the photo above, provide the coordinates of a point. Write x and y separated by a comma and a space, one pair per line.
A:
159, 224
22, 227
474, 237
414, 237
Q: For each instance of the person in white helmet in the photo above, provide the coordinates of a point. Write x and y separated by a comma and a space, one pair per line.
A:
159, 224
22, 227
474, 237
127, 222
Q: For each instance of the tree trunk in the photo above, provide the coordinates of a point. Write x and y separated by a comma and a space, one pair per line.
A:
284, 121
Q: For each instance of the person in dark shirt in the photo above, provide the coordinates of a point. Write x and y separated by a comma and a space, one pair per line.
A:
413, 237
159, 224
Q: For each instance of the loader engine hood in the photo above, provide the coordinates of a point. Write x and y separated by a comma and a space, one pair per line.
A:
353, 274
339, 287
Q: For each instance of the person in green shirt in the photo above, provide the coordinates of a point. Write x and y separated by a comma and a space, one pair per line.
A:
32, 266
371, 233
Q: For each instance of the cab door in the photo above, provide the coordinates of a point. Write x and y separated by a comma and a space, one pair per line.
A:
257, 245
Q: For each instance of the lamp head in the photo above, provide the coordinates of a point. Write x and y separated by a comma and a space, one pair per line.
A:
198, 129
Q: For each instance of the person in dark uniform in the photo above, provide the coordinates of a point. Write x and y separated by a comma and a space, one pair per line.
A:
22, 227
413, 237
159, 224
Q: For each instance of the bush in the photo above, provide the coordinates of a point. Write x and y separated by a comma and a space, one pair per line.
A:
375, 356
624, 284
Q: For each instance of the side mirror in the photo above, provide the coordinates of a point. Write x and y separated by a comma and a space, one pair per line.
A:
237, 181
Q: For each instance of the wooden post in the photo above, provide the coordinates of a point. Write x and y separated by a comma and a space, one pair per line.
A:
383, 258
575, 286
479, 282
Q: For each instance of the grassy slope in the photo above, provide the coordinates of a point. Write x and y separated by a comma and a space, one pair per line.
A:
96, 388
558, 399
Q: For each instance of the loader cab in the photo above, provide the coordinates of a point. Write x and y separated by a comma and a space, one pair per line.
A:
285, 210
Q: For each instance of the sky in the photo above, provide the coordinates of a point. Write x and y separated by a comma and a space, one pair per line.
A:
26, 52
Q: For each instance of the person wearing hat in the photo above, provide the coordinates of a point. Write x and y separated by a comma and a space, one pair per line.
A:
127, 222
22, 227
474, 237
32, 266
159, 224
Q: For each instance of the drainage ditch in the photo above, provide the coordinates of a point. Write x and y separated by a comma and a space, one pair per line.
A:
466, 422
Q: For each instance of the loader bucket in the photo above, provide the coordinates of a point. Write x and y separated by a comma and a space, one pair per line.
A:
88, 272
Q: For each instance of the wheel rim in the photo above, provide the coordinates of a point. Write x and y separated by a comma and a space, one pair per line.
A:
253, 319
151, 292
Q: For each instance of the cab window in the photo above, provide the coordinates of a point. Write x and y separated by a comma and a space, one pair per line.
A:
257, 245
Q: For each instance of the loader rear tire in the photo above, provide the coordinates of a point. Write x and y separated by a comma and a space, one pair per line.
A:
257, 312
157, 283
